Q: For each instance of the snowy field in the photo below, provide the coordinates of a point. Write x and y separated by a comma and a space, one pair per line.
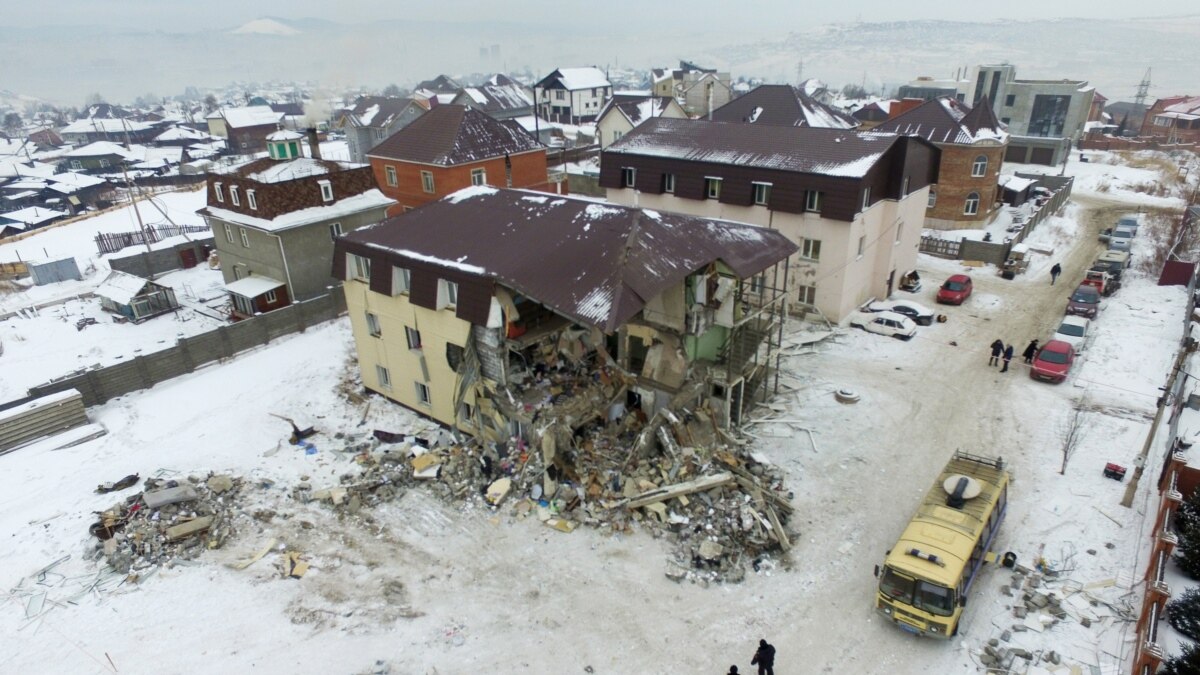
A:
425, 586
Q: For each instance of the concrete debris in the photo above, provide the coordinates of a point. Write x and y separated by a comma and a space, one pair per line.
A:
155, 499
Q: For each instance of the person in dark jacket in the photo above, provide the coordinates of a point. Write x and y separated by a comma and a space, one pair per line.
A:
1054, 272
997, 350
1030, 351
765, 658
1008, 354
732, 670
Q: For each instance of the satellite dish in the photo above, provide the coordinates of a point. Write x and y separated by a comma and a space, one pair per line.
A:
972, 490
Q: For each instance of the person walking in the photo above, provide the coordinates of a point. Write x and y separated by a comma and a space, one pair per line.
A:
997, 350
732, 670
1054, 272
1030, 351
1008, 354
764, 658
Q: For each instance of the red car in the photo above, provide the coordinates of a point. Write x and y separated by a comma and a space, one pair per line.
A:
956, 289
1053, 361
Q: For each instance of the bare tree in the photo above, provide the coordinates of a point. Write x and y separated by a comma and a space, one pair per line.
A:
1072, 434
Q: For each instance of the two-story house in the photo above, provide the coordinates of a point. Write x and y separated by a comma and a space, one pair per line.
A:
100, 157
1043, 117
246, 129
503, 100
782, 105
853, 202
623, 112
972, 143
374, 118
275, 220
463, 309
1175, 119
698, 90
572, 95
452, 147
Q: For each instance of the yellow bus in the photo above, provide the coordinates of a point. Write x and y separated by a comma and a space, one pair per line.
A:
926, 576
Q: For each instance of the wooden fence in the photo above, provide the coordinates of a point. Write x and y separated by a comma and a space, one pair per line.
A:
13, 269
111, 242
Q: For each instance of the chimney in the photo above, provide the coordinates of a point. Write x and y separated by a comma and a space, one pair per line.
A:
314, 143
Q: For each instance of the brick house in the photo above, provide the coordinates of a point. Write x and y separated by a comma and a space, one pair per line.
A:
973, 143
1176, 119
275, 219
572, 95
443, 299
854, 202
782, 105
452, 147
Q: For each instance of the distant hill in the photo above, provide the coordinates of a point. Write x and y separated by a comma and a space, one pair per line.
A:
266, 26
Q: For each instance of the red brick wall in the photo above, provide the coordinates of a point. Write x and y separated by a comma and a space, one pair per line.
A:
955, 182
528, 172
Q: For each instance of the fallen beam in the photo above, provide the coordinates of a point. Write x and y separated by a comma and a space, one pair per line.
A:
666, 492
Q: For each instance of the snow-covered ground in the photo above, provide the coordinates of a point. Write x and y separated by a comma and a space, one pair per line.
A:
486, 591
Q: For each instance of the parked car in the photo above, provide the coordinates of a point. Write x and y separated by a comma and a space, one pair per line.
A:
1114, 271
890, 324
1053, 361
1131, 221
1084, 301
1104, 282
956, 290
920, 314
1074, 331
1117, 261
1121, 239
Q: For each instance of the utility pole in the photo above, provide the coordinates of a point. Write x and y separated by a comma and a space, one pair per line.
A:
1143, 90
134, 191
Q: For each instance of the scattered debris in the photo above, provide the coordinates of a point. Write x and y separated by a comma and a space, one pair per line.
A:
293, 566
117, 486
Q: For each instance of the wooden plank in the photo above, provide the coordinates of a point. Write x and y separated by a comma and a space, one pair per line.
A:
670, 491
779, 533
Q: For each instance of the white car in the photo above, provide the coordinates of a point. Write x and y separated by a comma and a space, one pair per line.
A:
1073, 331
922, 315
885, 323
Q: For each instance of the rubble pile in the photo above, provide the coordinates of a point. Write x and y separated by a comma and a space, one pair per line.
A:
169, 520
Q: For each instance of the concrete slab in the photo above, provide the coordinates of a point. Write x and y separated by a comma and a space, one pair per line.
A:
159, 498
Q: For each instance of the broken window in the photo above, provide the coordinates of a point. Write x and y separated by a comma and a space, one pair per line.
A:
454, 356
385, 378
422, 393
373, 325
414, 337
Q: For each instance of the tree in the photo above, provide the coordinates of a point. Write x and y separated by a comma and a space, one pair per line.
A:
1187, 555
393, 90
1187, 662
1183, 613
92, 99
12, 123
210, 103
854, 91
1187, 516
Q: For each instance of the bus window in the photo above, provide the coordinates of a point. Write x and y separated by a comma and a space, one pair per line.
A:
897, 586
935, 599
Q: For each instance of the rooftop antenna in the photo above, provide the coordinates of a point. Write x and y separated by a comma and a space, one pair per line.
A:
1143, 89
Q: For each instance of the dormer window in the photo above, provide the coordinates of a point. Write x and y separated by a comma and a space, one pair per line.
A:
251, 200
326, 190
234, 196
220, 195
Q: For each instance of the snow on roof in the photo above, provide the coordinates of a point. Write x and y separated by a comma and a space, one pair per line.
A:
368, 115
105, 125
1015, 184
69, 182
121, 287
347, 206
582, 78
296, 168
33, 215
21, 195
469, 192
253, 286
181, 134
27, 184
100, 148
251, 116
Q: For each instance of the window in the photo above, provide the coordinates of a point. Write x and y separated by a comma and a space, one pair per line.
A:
979, 168
478, 177
401, 280
807, 295
628, 176
762, 193
1005, 120
862, 245
234, 195
244, 305
373, 325
971, 206
712, 188
899, 232
595, 92
252, 200
812, 201
447, 293
904, 187
239, 272
427, 181
77, 165
335, 231
454, 356
360, 267
380, 134
385, 378
757, 284
326, 190
413, 336
618, 135
228, 233
220, 195
810, 249
1010, 99
271, 296
866, 198
422, 393
932, 198
104, 164
390, 172
559, 95
245, 237
669, 183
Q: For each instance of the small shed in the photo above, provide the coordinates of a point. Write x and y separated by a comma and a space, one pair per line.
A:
53, 271
1016, 191
255, 295
135, 298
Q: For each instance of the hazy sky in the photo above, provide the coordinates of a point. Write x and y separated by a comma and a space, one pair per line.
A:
763, 15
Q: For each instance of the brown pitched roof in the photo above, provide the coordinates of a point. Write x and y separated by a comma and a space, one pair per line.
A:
453, 134
379, 111
947, 120
635, 106
782, 105
830, 152
596, 263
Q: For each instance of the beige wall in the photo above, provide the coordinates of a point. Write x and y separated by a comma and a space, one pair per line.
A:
390, 349
843, 279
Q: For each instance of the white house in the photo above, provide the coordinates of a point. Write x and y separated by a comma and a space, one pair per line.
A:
572, 95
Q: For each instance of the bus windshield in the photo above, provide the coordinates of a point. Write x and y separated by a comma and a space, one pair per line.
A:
932, 598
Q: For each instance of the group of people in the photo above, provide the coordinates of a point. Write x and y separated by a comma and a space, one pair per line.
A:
1003, 352
764, 658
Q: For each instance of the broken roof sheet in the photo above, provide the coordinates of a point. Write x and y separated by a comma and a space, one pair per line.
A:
121, 287
496, 98
594, 262
829, 152
453, 134
783, 105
